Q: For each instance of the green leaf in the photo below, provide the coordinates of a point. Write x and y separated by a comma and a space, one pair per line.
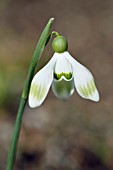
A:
36, 56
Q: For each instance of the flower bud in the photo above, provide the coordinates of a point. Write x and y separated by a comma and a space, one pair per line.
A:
60, 44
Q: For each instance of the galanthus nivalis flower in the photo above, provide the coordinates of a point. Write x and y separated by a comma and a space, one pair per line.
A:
65, 74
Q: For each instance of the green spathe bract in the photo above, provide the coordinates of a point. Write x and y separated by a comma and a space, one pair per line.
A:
60, 44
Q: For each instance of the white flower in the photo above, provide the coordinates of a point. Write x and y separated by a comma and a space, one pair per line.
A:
65, 74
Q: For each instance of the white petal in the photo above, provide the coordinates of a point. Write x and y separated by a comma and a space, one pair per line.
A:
84, 81
63, 88
62, 67
41, 83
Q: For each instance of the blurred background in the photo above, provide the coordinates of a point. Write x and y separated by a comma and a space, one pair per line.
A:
72, 135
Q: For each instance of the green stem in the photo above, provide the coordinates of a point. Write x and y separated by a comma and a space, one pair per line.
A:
54, 33
12, 152
50, 36
36, 56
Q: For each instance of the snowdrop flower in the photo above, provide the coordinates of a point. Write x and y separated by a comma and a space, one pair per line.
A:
65, 74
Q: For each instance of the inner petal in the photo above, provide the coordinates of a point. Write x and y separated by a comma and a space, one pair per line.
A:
62, 68
62, 88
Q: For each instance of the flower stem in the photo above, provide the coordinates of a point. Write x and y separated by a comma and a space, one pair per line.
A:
36, 56
54, 33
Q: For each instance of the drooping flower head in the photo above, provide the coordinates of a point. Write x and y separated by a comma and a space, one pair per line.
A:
65, 74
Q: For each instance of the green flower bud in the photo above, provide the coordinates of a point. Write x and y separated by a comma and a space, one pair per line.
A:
60, 44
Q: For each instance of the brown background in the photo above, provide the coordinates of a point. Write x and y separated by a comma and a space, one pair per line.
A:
77, 134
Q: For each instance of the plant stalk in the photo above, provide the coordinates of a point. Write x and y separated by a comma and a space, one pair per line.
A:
36, 56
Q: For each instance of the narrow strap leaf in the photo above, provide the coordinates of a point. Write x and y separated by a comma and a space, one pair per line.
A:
36, 56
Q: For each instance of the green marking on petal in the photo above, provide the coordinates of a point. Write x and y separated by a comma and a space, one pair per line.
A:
41, 92
37, 91
32, 89
66, 75
83, 91
93, 87
88, 90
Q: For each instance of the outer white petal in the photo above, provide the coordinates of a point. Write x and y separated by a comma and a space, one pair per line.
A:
63, 67
41, 83
84, 81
